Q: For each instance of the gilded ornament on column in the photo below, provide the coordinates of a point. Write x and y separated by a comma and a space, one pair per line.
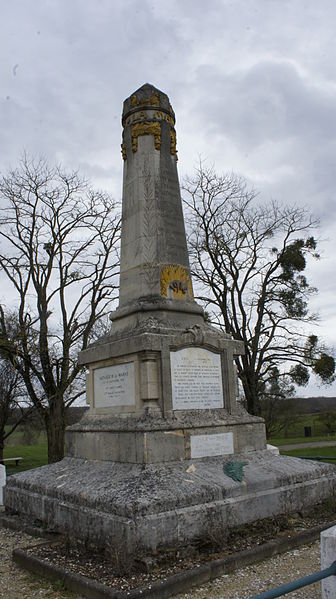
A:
173, 149
151, 101
146, 128
176, 282
163, 116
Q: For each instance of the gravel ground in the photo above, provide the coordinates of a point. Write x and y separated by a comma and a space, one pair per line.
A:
264, 576
16, 583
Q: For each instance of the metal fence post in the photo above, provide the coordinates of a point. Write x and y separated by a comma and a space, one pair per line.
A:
328, 555
2, 481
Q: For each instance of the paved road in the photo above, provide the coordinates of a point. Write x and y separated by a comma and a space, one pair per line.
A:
310, 444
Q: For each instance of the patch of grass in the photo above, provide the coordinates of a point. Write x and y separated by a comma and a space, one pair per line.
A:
14, 438
50, 587
293, 440
33, 456
296, 431
314, 451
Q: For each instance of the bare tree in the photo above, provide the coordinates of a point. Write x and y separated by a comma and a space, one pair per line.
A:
328, 419
14, 409
59, 260
249, 260
277, 404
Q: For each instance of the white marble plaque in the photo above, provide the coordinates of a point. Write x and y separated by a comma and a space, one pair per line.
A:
114, 386
196, 379
202, 446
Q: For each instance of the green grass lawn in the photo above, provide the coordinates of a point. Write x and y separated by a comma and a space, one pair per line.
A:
296, 431
314, 451
293, 440
33, 455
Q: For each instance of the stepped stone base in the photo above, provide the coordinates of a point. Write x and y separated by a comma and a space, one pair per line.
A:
151, 439
148, 508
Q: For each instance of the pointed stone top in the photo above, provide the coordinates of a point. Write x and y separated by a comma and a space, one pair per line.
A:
148, 89
147, 97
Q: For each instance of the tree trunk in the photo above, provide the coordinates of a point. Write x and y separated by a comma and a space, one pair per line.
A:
55, 426
251, 395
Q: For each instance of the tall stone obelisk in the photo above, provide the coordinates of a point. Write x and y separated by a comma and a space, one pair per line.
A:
160, 359
155, 272
148, 468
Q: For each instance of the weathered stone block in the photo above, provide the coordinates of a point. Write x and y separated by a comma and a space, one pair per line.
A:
165, 505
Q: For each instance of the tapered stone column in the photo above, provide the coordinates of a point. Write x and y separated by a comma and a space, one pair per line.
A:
155, 271
154, 256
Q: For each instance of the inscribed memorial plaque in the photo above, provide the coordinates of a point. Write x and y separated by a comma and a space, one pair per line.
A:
114, 386
202, 446
196, 379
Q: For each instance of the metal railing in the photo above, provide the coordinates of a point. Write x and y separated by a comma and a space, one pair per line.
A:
288, 587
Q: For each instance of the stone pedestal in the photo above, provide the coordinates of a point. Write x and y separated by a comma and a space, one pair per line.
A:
161, 395
144, 509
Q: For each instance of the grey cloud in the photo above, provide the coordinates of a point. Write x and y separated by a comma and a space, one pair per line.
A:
73, 76
252, 83
270, 100
281, 123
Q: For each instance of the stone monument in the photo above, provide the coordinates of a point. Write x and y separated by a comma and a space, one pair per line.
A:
154, 463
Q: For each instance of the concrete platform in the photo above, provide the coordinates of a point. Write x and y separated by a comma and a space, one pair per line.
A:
150, 508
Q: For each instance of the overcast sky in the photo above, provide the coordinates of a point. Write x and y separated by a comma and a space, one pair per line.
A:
252, 83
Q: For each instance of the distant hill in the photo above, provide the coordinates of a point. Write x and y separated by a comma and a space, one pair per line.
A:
73, 415
315, 404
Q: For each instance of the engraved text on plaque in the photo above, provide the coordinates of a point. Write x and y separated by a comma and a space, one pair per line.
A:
196, 379
211, 445
114, 386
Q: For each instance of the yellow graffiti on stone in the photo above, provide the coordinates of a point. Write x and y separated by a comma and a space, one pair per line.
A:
173, 149
175, 282
151, 101
163, 116
147, 128
123, 151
